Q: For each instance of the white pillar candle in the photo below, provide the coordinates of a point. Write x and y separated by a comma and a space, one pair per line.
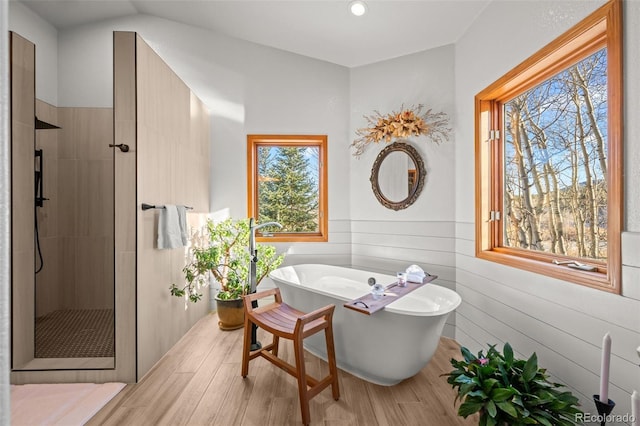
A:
604, 368
635, 408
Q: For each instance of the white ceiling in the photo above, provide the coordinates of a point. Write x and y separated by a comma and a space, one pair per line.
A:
324, 29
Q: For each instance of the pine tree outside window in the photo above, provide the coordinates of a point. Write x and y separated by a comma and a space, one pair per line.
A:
287, 183
549, 158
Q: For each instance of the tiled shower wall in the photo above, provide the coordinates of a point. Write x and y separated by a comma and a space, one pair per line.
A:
76, 223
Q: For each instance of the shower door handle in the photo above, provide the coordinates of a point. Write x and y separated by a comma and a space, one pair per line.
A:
123, 147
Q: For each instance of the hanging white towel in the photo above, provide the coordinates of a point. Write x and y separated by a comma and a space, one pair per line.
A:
182, 220
169, 232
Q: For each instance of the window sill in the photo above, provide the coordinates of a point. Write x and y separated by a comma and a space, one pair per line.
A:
597, 280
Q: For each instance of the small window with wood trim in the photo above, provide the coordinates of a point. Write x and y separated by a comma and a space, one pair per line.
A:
287, 183
549, 158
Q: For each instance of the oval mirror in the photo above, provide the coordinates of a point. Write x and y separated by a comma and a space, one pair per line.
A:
397, 176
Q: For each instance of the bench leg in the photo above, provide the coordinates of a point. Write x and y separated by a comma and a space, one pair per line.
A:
276, 341
246, 346
302, 379
331, 358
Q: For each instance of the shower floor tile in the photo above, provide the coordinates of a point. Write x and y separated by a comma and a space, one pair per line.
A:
77, 333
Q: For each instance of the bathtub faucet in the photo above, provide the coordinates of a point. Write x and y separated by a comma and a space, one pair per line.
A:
253, 266
253, 251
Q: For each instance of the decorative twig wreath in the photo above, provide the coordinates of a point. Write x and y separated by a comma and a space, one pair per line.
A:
398, 125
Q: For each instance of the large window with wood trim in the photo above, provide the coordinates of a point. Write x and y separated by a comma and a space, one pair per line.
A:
287, 183
549, 158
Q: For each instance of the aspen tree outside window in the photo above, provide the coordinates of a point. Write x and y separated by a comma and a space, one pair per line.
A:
287, 183
549, 158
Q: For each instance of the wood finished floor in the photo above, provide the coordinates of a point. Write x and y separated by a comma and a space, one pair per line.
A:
198, 382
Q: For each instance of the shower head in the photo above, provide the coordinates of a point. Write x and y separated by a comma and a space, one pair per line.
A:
43, 125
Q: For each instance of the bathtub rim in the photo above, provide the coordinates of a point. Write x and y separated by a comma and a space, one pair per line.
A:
389, 308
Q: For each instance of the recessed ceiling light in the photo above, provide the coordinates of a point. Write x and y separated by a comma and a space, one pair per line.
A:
358, 8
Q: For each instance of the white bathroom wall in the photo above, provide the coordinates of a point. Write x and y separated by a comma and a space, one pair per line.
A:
44, 35
385, 240
249, 89
563, 322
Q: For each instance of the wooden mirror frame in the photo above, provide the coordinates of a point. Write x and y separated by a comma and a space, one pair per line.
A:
417, 187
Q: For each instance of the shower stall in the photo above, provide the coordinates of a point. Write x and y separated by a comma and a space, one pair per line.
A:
62, 228
74, 233
90, 295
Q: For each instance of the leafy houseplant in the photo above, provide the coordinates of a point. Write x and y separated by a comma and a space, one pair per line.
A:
509, 391
226, 257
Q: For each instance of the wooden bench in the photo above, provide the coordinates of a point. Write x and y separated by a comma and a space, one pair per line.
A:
281, 320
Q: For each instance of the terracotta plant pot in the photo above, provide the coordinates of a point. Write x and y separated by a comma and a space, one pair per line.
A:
230, 314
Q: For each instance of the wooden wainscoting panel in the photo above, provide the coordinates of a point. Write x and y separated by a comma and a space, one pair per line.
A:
22, 70
22, 184
124, 116
172, 168
23, 323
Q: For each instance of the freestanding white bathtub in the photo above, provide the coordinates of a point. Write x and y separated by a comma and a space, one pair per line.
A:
383, 348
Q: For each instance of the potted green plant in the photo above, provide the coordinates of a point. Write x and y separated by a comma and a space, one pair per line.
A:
509, 391
225, 257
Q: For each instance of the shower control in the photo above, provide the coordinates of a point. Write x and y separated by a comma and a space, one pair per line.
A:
39, 198
123, 147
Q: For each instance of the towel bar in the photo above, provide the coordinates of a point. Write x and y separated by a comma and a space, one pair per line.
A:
146, 206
